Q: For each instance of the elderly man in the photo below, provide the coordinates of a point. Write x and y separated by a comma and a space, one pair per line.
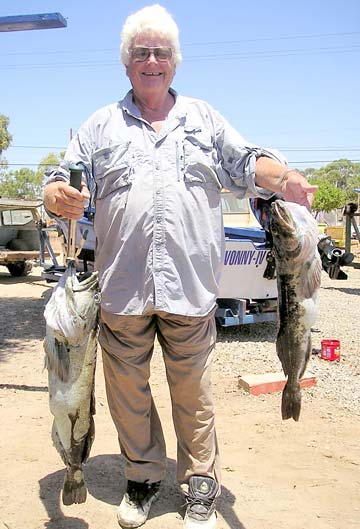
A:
159, 161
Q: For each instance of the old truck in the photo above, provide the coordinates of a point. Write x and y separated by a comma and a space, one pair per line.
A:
19, 234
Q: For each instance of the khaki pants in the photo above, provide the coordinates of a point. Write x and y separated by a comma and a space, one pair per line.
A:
187, 343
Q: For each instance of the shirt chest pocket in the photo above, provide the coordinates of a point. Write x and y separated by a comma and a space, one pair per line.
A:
200, 158
111, 170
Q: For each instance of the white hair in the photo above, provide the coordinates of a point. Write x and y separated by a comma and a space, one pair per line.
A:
150, 19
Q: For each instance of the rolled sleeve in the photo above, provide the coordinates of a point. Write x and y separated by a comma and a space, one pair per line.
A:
238, 162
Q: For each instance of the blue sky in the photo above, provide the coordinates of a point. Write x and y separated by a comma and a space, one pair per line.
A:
285, 73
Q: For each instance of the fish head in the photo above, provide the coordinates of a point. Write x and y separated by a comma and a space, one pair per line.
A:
82, 300
294, 230
73, 307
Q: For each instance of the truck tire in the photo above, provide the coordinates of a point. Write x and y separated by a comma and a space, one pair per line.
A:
19, 268
17, 244
22, 268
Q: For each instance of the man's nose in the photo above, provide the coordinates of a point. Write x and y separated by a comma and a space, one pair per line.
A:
152, 56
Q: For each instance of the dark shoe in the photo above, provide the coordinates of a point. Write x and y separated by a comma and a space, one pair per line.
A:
135, 505
201, 502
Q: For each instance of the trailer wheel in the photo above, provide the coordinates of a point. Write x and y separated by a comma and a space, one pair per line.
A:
22, 268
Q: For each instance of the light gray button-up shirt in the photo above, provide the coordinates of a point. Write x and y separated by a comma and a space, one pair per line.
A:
158, 220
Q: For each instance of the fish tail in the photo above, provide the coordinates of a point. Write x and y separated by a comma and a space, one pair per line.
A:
74, 490
291, 401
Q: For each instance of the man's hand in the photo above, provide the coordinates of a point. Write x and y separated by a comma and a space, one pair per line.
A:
296, 188
289, 182
65, 201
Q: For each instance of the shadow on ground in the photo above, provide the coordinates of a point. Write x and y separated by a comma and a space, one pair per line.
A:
352, 291
21, 320
105, 480
265, 331
7, 278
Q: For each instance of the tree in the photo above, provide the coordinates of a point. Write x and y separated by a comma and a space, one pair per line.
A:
26, 183
20, 184
5, 140
309, 172
5, 136
328, 196
343, 174
50, 162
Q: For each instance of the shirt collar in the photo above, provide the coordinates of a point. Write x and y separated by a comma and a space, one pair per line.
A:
128, 105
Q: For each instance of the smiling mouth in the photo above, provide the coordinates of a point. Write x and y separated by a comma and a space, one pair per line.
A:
152, 74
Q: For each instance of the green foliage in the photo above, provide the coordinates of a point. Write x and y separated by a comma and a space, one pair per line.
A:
328, 196
337, 181
50, 162
309, 172
341, 170
26, 183
5, 136
20, 184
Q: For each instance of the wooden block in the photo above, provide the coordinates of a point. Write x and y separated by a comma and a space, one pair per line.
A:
271, 383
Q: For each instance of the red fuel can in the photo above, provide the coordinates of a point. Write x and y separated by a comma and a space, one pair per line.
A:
330, 350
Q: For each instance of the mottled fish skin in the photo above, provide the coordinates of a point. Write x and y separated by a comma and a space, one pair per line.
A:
70, 357
298, 271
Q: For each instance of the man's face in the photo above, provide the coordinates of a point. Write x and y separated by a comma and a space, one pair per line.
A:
151, 76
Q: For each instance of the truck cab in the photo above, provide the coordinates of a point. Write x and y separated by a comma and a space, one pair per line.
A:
19, 234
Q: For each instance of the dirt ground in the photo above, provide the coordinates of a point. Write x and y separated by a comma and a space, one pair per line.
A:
276, 474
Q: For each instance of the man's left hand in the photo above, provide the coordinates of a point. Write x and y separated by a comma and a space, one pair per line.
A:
296, 188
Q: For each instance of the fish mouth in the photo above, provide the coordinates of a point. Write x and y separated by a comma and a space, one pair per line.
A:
88, 283
82, 283
282, 216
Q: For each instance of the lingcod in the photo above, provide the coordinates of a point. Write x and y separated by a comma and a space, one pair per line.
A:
298, 270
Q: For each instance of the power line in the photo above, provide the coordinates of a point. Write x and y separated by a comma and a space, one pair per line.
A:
280, 37
210, 43
289, 162
222, 56
35, 147
31, 165
325, 149
275, 53
283, 149
320, 161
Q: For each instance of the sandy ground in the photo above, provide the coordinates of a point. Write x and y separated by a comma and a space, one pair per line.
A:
278, 475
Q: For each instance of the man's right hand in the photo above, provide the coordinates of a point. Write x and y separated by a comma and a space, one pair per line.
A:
65, 201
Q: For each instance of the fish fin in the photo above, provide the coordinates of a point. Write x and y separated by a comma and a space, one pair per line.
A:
306, 358
57, 359
311, 277
91, 433
58, 444
74, 489
291, 402
89, 440
92, 399
282, 347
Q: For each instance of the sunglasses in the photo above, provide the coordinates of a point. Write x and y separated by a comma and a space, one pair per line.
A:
142, 53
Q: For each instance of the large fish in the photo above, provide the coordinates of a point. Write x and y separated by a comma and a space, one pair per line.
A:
298, 271
70, 357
